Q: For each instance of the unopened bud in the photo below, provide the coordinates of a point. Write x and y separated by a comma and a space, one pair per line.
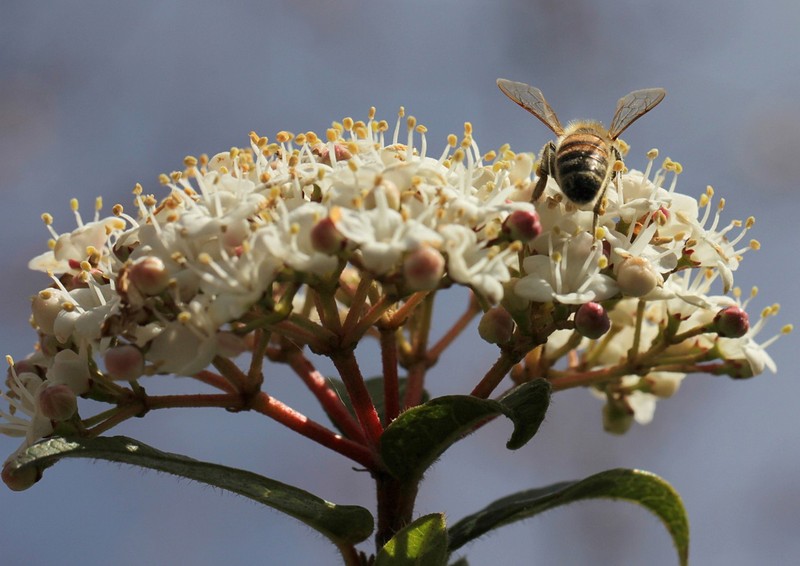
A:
56, 402
323, 153
591, 320
124, 363
149, 275
496, 326
230, 345
326, 238
423, 268
664, 384
636, 277
617, 417
45, 306
19, 479
522, 225
732, 322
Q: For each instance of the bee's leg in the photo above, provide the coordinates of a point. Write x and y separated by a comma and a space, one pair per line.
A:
546, 166
600, 205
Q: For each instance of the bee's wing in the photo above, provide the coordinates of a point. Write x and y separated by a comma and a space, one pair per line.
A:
632, 106
532, 100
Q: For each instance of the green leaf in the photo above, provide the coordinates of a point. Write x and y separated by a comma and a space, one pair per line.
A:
422, 543
527, 406
411, 443
636, 486
375, 389
342, 524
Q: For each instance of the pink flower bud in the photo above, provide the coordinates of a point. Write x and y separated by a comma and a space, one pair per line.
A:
423, 268
56, 402
496, 326
732, 322
124, 363
325, 237
323, 153
522, 225
591, 320
149, 275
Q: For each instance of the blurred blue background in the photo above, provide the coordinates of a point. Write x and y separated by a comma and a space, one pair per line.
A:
95, 96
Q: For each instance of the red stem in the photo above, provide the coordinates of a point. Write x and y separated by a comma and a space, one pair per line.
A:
301, 424
391, 383
494, 376
327, 397
350, 373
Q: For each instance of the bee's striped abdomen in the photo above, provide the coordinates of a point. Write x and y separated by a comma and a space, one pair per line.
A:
581, 166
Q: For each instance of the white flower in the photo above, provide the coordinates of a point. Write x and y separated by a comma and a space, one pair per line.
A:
570, 275
471, 264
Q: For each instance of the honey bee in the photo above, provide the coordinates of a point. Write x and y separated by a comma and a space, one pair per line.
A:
582, 159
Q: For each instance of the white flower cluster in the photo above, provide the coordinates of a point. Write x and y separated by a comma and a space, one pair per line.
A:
252, 234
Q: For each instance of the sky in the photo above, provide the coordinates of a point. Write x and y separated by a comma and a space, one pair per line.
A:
97, 96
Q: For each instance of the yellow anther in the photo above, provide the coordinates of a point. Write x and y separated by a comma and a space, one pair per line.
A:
98, 203
421, 129
411, 122
468, 129
73, 204
283, 136
401, 112
163, 179
47, 218
452, 140
652, 154
348, 123
190, 161
371, 113
331, 134
117, 209
490, 155
787, 329
184, 317
749, 222
755, 245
